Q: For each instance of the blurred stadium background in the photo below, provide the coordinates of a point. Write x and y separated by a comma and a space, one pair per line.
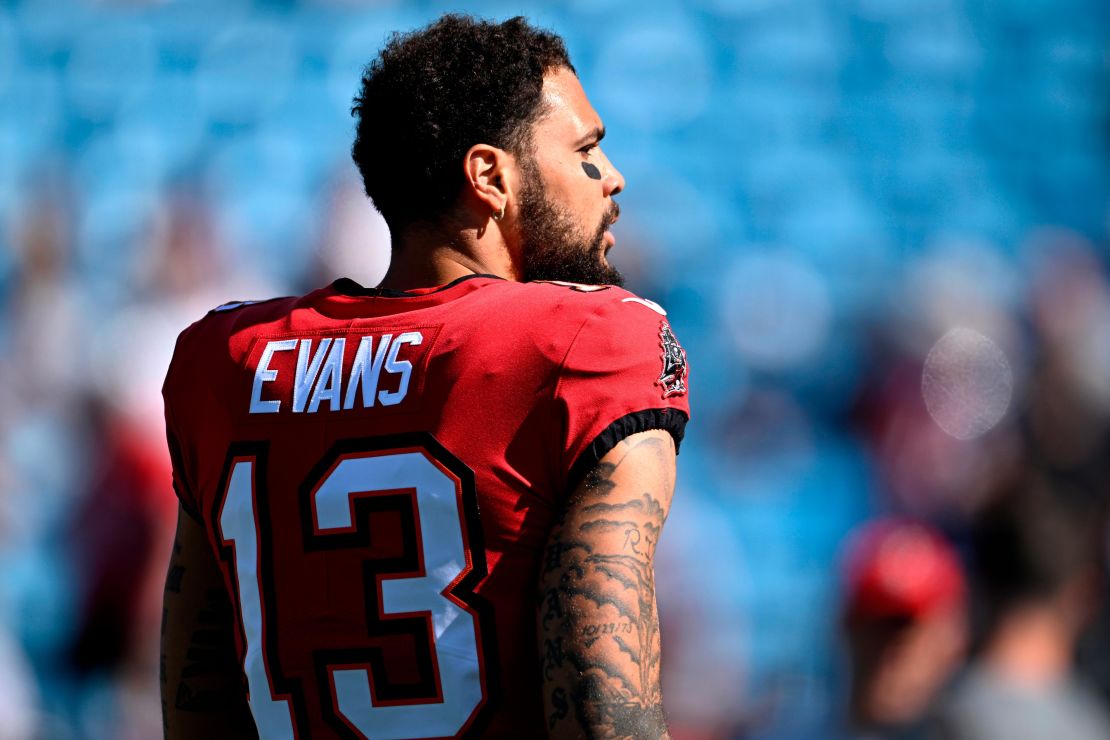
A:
880, 227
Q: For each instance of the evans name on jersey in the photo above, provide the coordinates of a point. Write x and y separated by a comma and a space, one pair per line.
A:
321, 378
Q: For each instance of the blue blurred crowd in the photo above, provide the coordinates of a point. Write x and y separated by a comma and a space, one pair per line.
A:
880, 227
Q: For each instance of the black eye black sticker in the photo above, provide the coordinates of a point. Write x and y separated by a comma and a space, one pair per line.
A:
591, 171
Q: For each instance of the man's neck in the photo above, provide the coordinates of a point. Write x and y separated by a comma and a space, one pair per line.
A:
425, 257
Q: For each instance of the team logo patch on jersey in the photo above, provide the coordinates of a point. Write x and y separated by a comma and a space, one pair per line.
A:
675, 371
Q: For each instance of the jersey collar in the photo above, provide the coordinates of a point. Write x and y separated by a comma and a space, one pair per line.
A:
346, 299
348, 287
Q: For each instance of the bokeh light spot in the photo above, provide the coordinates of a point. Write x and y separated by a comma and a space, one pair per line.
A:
967, 383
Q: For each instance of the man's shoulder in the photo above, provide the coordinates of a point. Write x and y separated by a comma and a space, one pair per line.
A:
227, 320
225, 332
558, 316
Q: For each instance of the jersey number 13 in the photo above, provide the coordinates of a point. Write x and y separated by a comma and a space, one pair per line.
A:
427, 589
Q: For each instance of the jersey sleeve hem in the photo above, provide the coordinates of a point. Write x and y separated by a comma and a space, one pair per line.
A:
670, 420
184, 496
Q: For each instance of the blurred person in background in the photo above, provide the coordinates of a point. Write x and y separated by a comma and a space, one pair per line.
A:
19, 705
1036, 575
904, 624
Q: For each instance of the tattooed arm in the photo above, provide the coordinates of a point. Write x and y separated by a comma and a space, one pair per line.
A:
202, 689
597, 620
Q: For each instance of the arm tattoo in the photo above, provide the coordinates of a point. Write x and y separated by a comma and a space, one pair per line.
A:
211, 658
597, 616
202, 685
173, 586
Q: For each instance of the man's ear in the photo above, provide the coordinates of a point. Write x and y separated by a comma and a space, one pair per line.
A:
489, 175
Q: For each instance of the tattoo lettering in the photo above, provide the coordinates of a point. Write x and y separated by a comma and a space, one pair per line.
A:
552, 656
632, 540
591, 630
553, 608
559, 707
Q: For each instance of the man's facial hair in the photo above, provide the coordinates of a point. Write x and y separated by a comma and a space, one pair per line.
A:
553, 246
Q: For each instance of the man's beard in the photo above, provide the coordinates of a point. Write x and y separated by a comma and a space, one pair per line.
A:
553, 246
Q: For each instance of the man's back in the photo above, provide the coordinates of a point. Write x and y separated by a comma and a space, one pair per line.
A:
378, 472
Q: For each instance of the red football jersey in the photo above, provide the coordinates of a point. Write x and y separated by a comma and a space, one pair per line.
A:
377, 472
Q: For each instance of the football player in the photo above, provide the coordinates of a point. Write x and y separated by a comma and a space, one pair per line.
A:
430, 508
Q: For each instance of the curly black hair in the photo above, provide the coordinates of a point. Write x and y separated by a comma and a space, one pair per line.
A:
432, 94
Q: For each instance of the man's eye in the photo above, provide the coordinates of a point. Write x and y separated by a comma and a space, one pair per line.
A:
588, 149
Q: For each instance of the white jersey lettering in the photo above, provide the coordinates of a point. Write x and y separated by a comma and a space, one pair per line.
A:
403, 367
263, 374
331, 375
321, 378
367, 372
